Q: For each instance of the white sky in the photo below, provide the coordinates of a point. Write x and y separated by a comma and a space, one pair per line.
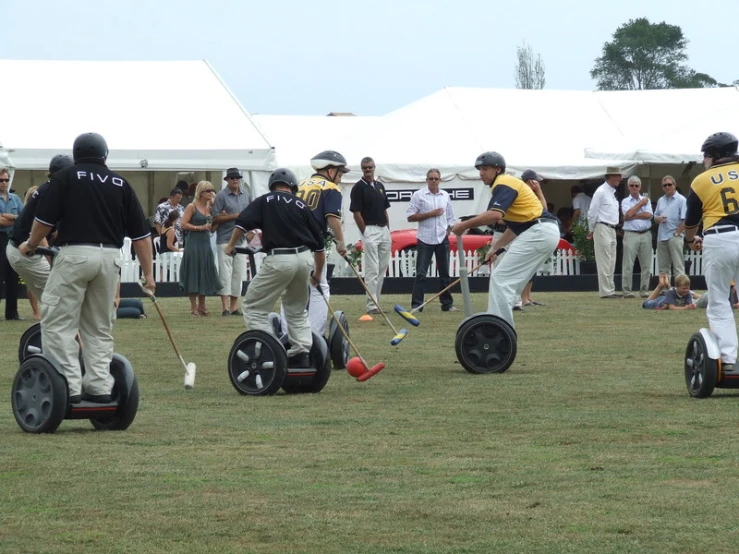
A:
369, 58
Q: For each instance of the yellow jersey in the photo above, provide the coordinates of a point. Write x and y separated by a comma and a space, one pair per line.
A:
718, 191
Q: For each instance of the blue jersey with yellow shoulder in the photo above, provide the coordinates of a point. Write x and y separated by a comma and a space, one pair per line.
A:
323, 197
518, 204
714, 196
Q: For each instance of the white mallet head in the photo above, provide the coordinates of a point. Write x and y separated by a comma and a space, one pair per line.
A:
189, 375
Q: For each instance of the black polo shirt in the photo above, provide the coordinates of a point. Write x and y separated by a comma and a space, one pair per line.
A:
22, 226
370, 200
89, 204
285, 220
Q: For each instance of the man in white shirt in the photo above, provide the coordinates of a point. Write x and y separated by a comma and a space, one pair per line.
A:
432, 208
580, 205
602, 222
637, 211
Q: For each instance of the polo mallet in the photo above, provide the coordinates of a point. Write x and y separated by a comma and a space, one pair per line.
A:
190, 368
399, 335
408, 315
361, 373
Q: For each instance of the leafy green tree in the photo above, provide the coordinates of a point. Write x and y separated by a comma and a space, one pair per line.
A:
646, 55
530, 70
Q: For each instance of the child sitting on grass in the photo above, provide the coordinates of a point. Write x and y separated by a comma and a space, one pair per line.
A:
679, 297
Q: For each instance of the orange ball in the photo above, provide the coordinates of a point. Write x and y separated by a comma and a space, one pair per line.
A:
355, 367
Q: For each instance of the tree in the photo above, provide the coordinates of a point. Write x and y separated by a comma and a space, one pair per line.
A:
644, 55
529, 71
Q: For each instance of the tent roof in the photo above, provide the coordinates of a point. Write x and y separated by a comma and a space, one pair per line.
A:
665, 126
545, 130
175, 115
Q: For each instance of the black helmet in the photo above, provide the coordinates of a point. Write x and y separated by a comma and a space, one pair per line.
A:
284, 176
328, 159
59, 162
720, 145
90, 146
492, 159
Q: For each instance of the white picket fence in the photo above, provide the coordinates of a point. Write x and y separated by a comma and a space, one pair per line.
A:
402, 264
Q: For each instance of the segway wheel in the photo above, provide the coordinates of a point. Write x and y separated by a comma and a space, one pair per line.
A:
257, 364
39, 396
125, 392
701, 371
298, 382
485, 344
30, 342
339, 347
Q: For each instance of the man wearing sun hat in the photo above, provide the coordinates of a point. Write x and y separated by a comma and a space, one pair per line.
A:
603, 218
229, 203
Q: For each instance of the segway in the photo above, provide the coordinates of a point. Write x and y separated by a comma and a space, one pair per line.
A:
484, 343
703, 368
40, 394
257, 365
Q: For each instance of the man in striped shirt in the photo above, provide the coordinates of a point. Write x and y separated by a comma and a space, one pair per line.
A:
432, 208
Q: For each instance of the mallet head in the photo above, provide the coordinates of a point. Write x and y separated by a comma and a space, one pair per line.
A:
374, 371
409, 317
399, 337
190, 375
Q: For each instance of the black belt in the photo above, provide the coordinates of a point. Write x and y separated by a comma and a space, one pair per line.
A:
640, 232
376, 225
96, 244
607, 224
716, 230
296, 250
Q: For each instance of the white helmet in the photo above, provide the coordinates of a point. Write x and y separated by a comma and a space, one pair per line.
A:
328, 159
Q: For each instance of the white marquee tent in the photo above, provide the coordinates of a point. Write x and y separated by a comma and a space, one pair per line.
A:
156, 116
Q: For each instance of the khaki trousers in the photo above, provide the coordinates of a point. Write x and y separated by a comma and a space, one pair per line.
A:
604, 241
670, 256
33, 270
637, 246
79, 296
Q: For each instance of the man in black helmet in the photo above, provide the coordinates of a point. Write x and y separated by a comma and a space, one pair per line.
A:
714, 199
531, 232
322, 195
289, 234
34, 270
93, 210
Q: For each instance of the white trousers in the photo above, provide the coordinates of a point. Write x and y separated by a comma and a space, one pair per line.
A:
232, 271
376, 243
721, 266
522, 259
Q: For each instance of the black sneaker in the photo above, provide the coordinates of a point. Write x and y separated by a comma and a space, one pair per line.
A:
96, 398
299, 360
75, 399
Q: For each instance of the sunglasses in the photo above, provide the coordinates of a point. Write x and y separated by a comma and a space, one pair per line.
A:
209, 190
665, 185
634, 186
234, 178
4, 180
432, 178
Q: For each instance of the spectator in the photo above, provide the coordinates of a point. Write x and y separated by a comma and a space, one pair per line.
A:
670, 215
198, 275
174, 202
369, 204
10, 208
679, 297
432, 209
602, 222
580, 205
229, 203
168, 243
637, 212
534, 181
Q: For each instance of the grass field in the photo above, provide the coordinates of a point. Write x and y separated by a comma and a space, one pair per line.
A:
589, 443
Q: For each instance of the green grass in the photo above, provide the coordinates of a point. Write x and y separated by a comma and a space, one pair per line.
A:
589, 443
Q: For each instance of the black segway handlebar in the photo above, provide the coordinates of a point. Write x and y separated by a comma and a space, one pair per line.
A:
45, 251
245, 250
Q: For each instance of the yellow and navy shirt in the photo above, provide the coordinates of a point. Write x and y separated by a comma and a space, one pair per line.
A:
518, 204
714, 196
323, 197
